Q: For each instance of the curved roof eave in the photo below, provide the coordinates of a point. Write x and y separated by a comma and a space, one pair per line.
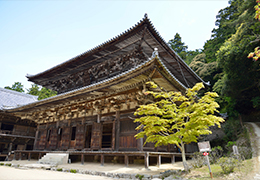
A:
79, 90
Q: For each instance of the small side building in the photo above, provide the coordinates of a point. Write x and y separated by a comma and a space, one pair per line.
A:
15, 133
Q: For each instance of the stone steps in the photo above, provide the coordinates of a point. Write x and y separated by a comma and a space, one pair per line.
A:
54, 159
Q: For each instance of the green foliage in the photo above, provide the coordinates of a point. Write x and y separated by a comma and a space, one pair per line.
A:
207, 71
198, 160
177, 45
1, 164
191, 54
242, 82
231, 129
59, 169
139, 176
228, 164
176, 118
215, 154
42, 93
73, 171
256, 102
17, 86
35, 90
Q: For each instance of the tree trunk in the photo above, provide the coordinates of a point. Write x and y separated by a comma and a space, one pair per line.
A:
185, 165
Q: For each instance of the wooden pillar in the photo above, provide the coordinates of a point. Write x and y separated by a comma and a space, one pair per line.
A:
82, 159
98, 117
58, 122
10, 147
159, 160
28, 130
114, 135
146, 160
40, 155
36, 137
173, 159
126, 160
29, 156
117, 129
102, 159
14, 156
20, 156
25, 146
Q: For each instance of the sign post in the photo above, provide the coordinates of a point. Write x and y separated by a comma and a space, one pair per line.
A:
204, 147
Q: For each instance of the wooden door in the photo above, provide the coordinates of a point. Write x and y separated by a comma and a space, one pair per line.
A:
65, 138
96, 136
80, 137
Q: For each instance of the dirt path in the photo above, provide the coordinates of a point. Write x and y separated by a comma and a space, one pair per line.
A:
255, 144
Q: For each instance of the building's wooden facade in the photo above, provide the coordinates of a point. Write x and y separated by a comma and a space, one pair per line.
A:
99, 90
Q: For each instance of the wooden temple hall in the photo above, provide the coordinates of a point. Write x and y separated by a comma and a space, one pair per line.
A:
92, 118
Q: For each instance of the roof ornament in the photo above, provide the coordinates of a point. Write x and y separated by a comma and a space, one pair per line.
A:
155, 53
145, 16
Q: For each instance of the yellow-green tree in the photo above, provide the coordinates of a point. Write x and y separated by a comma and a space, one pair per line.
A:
177, 119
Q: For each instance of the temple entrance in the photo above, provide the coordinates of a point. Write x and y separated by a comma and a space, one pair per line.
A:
88, 136
107, 135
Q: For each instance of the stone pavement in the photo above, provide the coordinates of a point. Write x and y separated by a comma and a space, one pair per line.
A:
109, 169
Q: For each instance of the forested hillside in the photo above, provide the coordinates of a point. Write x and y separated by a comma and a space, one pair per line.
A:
223, 60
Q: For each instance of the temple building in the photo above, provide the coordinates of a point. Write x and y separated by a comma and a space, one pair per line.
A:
100, 89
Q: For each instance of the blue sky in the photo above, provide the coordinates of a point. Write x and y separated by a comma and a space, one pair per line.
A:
37, 35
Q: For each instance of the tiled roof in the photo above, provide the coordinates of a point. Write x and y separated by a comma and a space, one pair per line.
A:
129, 72
13, 99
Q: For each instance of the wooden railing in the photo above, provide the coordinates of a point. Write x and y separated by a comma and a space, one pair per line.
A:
12, 133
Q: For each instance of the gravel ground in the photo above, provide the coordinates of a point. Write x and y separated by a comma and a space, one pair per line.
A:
11, 173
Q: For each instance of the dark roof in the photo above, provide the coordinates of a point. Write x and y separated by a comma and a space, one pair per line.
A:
142, 34
13, 99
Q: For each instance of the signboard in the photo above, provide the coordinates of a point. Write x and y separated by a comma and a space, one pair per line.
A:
204, 146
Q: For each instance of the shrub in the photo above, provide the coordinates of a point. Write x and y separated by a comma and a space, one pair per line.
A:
139, 176
59, 169
1, 164
198, 160
8, 164
228, 164
215, 154
73, 171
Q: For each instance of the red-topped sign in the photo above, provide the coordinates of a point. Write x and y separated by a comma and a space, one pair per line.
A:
205, 153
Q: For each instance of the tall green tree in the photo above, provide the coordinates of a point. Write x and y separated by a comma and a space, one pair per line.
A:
17, 86
177, 119
223, 30
241, 79
178, 46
